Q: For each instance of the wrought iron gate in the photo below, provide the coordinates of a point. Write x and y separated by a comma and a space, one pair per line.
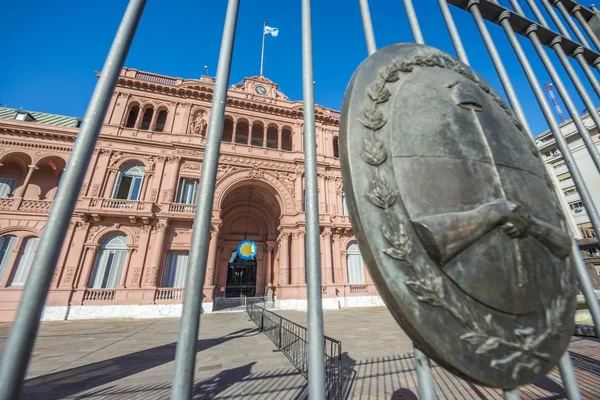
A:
514, 22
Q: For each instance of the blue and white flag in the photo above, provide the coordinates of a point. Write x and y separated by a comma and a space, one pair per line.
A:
271, 31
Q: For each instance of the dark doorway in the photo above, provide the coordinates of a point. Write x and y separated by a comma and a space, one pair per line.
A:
241, 278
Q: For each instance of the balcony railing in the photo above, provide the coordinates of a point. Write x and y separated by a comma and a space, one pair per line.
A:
99, 295
182, 208
156, 78
6, 204
20, 204
35, 205
358, 288
168, 294
118, 206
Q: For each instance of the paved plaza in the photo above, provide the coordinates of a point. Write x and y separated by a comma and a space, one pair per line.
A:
133, 359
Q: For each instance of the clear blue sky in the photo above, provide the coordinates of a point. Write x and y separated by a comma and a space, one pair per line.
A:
51, 49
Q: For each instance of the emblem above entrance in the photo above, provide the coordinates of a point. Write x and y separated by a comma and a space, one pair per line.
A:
456, 217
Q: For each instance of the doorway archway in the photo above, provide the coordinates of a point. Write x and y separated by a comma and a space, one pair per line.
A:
249, 210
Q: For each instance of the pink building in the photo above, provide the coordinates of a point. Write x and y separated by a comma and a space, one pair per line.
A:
126, 249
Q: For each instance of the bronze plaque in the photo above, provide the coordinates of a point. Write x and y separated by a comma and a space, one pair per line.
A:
456, 217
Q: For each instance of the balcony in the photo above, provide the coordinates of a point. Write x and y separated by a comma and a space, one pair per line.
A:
168, 295
572, 197
561, 170
114, 207
25, 205
180, 208
566, 183
99, 295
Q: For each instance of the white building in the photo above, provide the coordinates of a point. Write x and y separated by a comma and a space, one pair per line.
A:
578, 219
577, 216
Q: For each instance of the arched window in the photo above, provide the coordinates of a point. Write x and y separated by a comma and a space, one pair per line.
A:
286, 139
354, 261
7, 246
7, 185
257, 134
109, 262
272, 137
242, 132
344, 205
161, 120
175, 269
129, 182
132, 117
147, 119
336, 147
227, 130
26, 255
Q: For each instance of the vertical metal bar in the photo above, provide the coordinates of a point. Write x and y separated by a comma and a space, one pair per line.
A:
458, 45
413, 21
578, 52
185, 356
18, 347
564, 94
511, 394
557, 46
587, 287
316, 365
586, 27
568, 377
499, 66
368, 26
555, 18
426, 389
558, 4
562, 144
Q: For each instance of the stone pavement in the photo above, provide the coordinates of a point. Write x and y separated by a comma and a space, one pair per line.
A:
133, 359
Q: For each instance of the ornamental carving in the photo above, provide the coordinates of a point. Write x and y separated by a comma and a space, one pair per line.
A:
256, 173
117, 156
168, 195
289, 180
474, 250
69, 274
95, 189
198, 124
135, 279
190, 166
151, 276
223, 170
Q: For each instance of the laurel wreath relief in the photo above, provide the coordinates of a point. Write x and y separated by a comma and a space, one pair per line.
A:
517, 350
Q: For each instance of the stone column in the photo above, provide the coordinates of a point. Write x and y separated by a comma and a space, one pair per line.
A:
110, 183
298, 191
23, 189
321, 189
279, 133
234, 135
338, 276
269, 262
326, 260
147, 177
88, 263
264, 135
301, 258
344, 261
294, 258
123, 283
212, 258
157, 253
284, 267
64, 252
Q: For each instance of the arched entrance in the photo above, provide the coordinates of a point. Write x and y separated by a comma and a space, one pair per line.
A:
249, 210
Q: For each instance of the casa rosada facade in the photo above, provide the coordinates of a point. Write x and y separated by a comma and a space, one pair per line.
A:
125, 253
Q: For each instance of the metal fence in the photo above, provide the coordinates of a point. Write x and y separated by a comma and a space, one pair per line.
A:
513, 21
291, 339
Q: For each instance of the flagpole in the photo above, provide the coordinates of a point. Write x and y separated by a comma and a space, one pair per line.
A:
262, 54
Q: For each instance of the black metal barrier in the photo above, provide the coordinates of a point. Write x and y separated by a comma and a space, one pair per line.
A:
291, 339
